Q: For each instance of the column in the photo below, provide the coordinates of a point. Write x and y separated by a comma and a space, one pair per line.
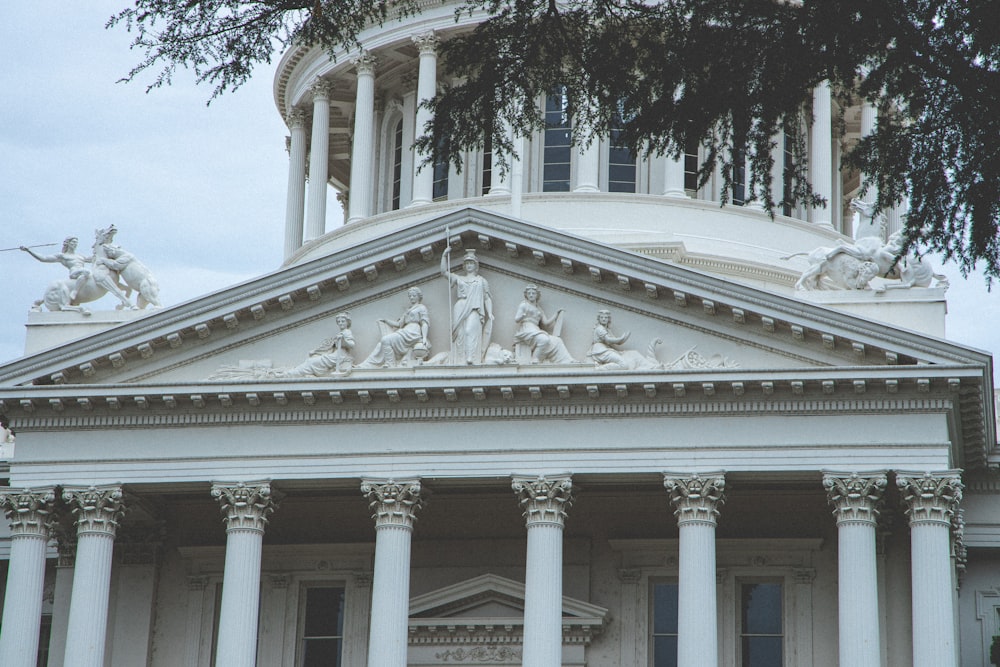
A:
931, 500
295, 201
98, 510
319, 155
502, 177
423, 174
821, 153
31, 520
363, 143
673, 176
544, 501
394, 507
588, 166
753, 200
245, 507
696, 499
856, 500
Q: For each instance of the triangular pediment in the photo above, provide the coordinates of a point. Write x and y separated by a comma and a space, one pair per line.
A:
275, 321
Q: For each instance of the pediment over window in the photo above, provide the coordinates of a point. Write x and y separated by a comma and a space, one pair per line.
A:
482, 620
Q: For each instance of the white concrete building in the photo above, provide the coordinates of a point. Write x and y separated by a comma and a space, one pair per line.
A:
473, 464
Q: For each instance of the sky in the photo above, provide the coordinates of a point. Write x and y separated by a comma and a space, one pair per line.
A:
196, 191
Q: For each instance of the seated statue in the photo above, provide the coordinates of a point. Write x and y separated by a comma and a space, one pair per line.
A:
538, 334
333, 355
403, 342
607, 353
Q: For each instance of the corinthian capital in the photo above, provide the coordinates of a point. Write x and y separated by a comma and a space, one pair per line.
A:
97, 508
365, 63
320, 89
855, 497
931, 497
245, 506
426, 42
29, 511
296, 118
544, 499
393, 503
696, 498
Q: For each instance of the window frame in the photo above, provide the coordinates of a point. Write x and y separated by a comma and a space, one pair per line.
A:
300, 617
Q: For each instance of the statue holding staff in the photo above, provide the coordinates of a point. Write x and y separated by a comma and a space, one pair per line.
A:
472, 314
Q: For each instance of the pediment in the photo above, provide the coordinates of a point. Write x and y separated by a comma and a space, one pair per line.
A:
275, 321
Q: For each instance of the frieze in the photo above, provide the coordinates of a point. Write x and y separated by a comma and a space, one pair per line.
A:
491, 653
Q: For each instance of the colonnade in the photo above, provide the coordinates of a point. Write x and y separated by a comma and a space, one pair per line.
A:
305, 223
930, 500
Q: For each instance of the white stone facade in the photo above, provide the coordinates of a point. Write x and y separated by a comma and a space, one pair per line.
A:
703, 466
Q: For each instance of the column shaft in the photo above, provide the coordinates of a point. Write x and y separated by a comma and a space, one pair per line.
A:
501, 181
363, 143
237, 645
588, 167
697, 632
673, 177
858, 595
821, 153
319, 155
295, 201
423, 175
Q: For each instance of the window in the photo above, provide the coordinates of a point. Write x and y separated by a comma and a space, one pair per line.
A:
44, 635
739, 177
440, 190
691, 166
322, 626
787, 174
621, 161
397, 163
664, 625
557, 140
487, 165
761, 631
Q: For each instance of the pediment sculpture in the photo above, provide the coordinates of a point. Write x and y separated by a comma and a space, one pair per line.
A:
537, 338
109, 269
852, 266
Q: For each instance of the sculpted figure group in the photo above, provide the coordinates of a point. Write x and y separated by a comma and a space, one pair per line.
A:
109, 269
404, 342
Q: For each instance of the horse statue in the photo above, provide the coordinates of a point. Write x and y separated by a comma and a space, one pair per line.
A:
866, 221
89, 283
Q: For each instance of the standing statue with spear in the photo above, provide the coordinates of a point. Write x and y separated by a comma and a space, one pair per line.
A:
472, 313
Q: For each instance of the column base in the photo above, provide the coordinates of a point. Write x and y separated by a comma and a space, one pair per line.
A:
676, 194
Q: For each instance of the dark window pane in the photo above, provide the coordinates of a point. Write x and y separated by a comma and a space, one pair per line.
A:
557, 155
557, 172
321, 653
762, 652
555, 186
665, 609
616, 186
324, 612
397, 163
761, 608
665, 652
622, 172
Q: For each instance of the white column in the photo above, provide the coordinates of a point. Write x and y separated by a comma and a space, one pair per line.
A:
821, 153
30, 515
295, 201
856, 498
673, 176
752, 199
588, 166
696, 499
319, 155
931, 500
501, 181
545, 501
363, 143
97, 510
394, 506
423, 175
245, 507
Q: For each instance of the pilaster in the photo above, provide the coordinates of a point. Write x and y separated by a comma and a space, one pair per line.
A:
856, 498
30, 512
696, 499
544, 501
931, 499
394, 505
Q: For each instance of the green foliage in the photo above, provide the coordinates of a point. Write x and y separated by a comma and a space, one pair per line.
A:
728, 74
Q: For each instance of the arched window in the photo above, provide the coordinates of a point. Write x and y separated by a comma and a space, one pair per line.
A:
557, 140
397, 163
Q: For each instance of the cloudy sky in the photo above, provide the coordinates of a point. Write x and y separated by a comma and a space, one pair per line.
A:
197, 192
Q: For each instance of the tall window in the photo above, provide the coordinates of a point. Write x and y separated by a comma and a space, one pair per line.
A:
739, 177
322, 627
621, 161
787, 175
440, 190
761, 630
557, 139
664, 625
44, 636
691, 166
487, 165
397, 163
